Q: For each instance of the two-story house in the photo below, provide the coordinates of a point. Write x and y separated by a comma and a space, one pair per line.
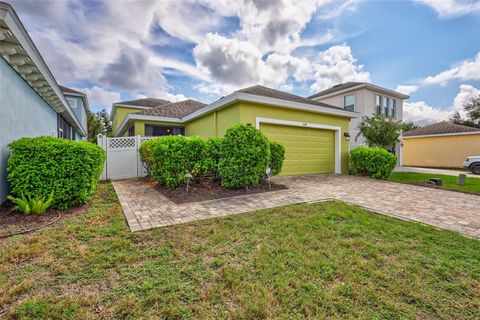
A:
366, 99
31, 102
78, 101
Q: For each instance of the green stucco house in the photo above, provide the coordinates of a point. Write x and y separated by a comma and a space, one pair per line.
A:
315, 134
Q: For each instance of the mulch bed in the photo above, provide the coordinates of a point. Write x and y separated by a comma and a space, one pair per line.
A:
211, 189
12, 222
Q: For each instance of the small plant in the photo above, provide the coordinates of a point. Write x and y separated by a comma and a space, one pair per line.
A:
31, 205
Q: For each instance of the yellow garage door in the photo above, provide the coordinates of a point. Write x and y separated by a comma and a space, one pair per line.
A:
307, 150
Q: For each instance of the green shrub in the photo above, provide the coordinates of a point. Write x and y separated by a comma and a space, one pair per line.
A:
375, 163
211, 159
69, 169
277, 155
176, 156
28, 205
146, 156
245, 156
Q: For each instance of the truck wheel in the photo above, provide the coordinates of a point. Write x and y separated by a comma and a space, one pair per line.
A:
475, 168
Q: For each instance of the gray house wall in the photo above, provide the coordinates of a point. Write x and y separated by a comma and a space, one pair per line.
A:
23, 113
80, 112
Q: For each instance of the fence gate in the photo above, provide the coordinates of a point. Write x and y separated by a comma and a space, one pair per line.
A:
123, 158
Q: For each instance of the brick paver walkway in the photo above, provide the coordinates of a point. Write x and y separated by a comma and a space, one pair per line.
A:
145, 208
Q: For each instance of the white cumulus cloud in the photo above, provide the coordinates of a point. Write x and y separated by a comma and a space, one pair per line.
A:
452, 8
465, 70
337, 65
99, 97
406, 89
422, 113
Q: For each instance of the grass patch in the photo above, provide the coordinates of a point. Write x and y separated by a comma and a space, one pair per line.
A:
326, 260
472, 185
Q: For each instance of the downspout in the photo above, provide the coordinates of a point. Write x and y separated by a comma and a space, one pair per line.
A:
215, 124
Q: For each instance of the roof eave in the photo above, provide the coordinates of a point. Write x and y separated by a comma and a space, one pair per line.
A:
32, 66
442, 134
360, 86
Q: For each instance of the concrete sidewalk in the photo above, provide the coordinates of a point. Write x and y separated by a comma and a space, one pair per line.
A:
436, 171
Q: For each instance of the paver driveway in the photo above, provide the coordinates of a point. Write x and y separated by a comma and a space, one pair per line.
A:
145, 208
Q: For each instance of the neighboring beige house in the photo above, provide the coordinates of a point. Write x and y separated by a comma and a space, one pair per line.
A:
366, 99
440, 145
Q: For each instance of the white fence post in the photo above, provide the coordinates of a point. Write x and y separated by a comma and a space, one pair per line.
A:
102, 143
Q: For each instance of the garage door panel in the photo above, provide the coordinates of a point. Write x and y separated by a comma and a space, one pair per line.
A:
307, 150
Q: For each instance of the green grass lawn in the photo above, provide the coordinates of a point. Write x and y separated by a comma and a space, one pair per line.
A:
472, 185
326, 260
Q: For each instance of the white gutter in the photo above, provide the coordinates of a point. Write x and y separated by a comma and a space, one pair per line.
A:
442, 135
240, 96
360, 86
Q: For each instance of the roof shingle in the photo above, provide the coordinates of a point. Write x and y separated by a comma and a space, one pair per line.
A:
272, 93
175, 109
146, 102
443, 127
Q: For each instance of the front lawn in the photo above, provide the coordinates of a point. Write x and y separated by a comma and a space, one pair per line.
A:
326, 260
472, 185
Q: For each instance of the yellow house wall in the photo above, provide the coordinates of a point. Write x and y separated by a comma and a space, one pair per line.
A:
214, 124
119, 116
140, 125
443, 152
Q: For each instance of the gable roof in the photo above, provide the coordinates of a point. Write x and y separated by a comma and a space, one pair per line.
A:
356, 85
184, 111
68, 90
441, 128
176, 109
146, 102
259, 90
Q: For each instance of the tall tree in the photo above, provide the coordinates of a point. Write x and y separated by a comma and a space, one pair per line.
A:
472, 108
380, 131
94, 125
107, 124
407, 126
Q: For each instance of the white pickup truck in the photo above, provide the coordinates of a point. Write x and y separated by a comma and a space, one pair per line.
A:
473, 164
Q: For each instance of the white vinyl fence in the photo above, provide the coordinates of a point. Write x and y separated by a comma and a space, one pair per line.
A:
123, 158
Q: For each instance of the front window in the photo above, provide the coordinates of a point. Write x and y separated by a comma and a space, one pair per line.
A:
349, 102
64, 129
131, 131
379, 105
386, 102
72, 102
152, 130
394, 108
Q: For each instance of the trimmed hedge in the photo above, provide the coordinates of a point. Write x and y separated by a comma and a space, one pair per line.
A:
146, 155
176, 156
245, 156
211, 159
69, 169
277, 155
375, 163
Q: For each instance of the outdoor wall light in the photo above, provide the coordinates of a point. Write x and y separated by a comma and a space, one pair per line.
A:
347, 136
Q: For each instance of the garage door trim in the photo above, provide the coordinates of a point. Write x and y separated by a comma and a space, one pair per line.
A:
338, 131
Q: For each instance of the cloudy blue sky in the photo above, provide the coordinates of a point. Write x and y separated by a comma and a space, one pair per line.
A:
204, 49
